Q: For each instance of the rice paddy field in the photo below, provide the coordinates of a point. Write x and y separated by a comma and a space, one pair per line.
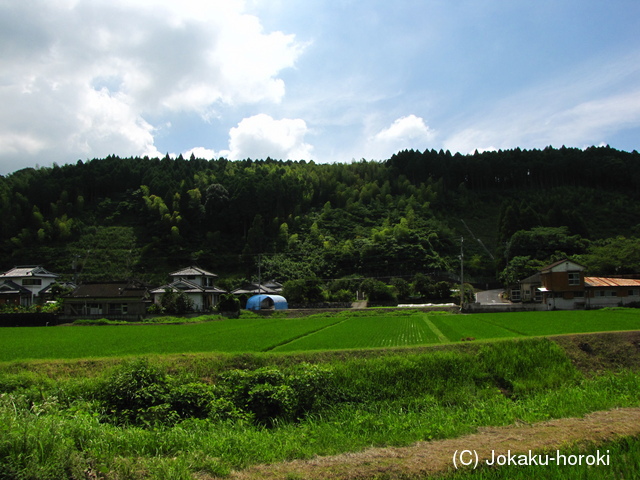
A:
254, 397
351, 329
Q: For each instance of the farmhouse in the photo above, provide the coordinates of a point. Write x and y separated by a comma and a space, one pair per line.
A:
114, 300
269, 288
196, 283
25, 285
563, 285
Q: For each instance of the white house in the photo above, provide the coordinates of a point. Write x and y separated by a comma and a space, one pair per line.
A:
25, 285
196, 283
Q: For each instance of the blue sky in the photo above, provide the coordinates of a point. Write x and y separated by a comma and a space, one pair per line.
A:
329, 81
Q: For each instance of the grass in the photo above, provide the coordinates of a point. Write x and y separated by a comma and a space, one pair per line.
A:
367, 332
53, 429
347, 330
561, 322
230, 335
623, 457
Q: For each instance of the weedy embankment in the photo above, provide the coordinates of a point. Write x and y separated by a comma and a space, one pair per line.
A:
207, 415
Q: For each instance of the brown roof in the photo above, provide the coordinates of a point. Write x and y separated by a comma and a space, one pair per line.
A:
559, 262
611, 282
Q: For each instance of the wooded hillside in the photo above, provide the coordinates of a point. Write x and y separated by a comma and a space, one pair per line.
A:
118, 218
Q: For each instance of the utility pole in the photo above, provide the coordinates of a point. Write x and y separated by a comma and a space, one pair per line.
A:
259, 274
461, 272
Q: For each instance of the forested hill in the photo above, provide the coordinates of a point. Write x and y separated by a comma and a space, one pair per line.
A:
117, 218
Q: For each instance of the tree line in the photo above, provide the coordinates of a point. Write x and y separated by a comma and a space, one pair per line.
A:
142, 217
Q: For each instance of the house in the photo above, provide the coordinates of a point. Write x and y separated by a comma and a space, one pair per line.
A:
269, 288
113, 300
25, 285
528, 290
563, 285
196, 283
608, 291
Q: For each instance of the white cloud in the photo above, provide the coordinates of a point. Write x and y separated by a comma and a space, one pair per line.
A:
581, 107
405, 132
405, 129
201, 152
261, 136
88, 78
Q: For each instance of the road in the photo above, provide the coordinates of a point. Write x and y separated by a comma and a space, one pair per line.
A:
490, 297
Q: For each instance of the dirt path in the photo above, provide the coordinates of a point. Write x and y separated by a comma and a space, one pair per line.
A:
425, 458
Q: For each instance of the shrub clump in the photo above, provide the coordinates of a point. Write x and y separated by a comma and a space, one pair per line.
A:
269, 395
139, 393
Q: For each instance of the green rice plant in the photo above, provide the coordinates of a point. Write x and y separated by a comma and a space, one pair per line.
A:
457, 327
230, 335
560, 322
366, 331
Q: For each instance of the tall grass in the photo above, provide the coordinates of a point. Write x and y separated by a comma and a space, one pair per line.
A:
57, 429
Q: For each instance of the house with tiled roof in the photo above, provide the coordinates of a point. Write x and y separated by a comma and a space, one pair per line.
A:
563, 285
114, 300
270, 288
25, 285
198, 285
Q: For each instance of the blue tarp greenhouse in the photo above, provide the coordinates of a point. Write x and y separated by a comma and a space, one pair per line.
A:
267, 302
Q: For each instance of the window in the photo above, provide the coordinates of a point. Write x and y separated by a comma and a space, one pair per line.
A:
92, 309
515, 295
31, 281
118, 308
578, 294
634, 293
574, 278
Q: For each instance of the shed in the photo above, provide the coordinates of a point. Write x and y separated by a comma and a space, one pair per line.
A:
267, 302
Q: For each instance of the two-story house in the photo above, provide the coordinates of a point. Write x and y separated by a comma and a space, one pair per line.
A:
563, 285
196, 283
25, 285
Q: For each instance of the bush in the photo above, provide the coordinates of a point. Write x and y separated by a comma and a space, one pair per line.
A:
378, 291
269, 395
136, 393
229, 304
343, 296
307, 290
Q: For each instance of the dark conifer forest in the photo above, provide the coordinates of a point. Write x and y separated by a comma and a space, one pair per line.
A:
122, 218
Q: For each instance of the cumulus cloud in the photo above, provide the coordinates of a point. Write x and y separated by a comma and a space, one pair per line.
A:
261, 136
405, 132
407, 128
84, 78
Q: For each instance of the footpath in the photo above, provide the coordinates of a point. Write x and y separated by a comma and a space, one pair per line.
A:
501, 444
